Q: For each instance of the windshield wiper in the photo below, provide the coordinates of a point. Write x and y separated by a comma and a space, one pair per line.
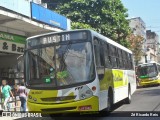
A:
67, 49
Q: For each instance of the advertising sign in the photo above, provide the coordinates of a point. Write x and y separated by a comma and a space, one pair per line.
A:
19, 6
12, 37
49, 17
11, 47
12, 43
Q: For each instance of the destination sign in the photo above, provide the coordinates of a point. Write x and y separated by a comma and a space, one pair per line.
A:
56, 38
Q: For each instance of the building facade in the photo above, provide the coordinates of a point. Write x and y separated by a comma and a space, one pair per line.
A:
20, 19
152, 44
138, 27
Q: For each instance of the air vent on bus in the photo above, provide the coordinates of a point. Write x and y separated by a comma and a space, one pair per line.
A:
63, 98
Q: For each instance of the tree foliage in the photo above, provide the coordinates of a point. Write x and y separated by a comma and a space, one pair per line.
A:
136, 46
107, 17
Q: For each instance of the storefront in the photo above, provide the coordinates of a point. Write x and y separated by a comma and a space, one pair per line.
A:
11, 58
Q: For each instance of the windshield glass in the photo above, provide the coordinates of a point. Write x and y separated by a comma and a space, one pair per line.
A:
61, 65
147, 71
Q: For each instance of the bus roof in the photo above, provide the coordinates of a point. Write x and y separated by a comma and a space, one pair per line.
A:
95, 33
149, 63
112, 42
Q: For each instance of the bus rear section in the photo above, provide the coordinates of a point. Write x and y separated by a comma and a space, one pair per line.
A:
148, 74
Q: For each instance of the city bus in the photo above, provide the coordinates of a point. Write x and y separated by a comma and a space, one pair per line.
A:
76, 71
149, 73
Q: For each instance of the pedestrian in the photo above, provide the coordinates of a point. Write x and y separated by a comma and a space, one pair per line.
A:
22, 96
6, 93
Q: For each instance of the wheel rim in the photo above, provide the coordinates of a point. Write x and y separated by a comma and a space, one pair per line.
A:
109, 104
129, 95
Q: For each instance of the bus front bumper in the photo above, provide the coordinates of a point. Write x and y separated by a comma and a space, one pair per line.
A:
149, 82
90, 104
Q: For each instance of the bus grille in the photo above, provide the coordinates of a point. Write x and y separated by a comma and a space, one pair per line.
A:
58, 109
54, 99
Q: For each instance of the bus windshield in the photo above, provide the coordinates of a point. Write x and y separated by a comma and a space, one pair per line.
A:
60, 65
147, 71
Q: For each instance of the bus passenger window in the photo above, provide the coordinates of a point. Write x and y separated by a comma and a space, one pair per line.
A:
158, 68
119, 58
99, 53
113, 56
99, 58
107, 56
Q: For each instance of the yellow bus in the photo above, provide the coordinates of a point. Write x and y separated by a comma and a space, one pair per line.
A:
149, 73
77, 70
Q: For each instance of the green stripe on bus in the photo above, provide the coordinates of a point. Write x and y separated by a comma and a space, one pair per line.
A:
144, 76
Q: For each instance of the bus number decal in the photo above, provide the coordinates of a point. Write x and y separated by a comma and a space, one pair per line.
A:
77, 88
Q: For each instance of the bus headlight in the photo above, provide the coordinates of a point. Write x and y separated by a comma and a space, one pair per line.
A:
29, 96
85, 92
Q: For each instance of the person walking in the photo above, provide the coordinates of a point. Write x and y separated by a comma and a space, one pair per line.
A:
22, 96
6, 93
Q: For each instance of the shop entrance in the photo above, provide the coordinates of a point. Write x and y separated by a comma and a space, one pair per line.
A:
11, 69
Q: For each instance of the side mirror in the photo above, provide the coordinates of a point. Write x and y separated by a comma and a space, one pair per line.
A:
100, 72
101, 76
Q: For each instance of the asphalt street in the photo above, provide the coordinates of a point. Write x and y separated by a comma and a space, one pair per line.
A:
143, 100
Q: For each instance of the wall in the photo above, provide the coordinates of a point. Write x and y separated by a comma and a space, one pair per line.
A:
8, 61
152, 40
19, 6
138, 26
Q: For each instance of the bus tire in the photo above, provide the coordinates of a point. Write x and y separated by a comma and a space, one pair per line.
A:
110, 101
128, 99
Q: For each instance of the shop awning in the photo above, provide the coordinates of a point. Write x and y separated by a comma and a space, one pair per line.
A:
22, 25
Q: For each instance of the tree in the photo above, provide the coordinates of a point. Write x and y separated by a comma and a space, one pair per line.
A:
107, 17
136, 46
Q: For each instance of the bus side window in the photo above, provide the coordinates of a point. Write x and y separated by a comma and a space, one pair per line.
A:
131, 62
108, 62
113, 55
117, 57
102, 53
99, 58
124, 59
158, 68
120, 58
127, 60
97, 52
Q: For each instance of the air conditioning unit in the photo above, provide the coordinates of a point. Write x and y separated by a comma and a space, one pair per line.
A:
37, 1
44, 5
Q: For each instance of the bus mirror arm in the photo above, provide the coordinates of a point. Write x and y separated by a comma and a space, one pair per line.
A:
101, 76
